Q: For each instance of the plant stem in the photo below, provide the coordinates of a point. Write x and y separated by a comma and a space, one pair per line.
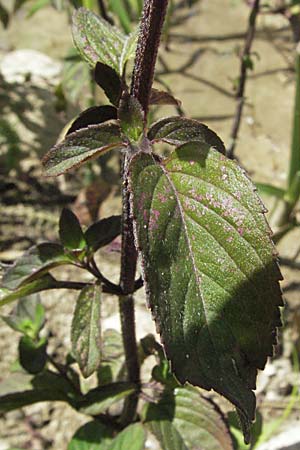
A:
153, 15
242, 78
295, 146
142, 78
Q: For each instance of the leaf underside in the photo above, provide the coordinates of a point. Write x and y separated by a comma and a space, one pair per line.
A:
81, 146
208, 261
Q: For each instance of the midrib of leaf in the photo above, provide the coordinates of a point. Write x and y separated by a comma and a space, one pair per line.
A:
198, 281
91, 332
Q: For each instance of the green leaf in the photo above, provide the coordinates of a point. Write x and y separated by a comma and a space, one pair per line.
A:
128, 50
103, 232
158, 97
120, 9
35, 263
167, 435
86, 331
21, 389
32, 287
209, 267
98, 400
36, 6
132, 437
92, 436
81, 146
294, 164
32, 355
185, 418
131, 116
93, 116
268, 189
70, 232
108, 79
28, 317
97, 40
179, 130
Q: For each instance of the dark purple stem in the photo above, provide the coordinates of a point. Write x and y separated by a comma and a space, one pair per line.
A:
242, 78
153, 16
142, 78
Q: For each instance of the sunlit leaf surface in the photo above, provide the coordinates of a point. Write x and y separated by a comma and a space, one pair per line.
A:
209, 268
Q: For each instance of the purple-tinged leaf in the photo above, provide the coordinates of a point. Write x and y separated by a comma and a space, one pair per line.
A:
81, 146
209, 267
96, 39
180, 130
158, 97
86, 330
103, 232
109, 81
92, 116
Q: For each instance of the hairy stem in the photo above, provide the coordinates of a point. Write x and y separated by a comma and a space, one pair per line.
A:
242, 78
152, 20
142, 78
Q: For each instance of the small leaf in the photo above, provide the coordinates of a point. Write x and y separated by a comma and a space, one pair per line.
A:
188, 419
103, 232
70, 232
179, 130
86, 332
92, 116
37, 261
131, 116
158, 97
32, 355
268, 189
132, 437
81, 146
22, 390
108, 79
28, 316
96, 39
112, 353
92, 436
98, 400
32, 287
209, 268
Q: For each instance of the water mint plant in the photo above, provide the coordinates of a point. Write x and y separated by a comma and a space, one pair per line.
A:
208, 265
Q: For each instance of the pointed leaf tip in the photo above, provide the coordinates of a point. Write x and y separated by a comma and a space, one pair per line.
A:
81, 146
210, 273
